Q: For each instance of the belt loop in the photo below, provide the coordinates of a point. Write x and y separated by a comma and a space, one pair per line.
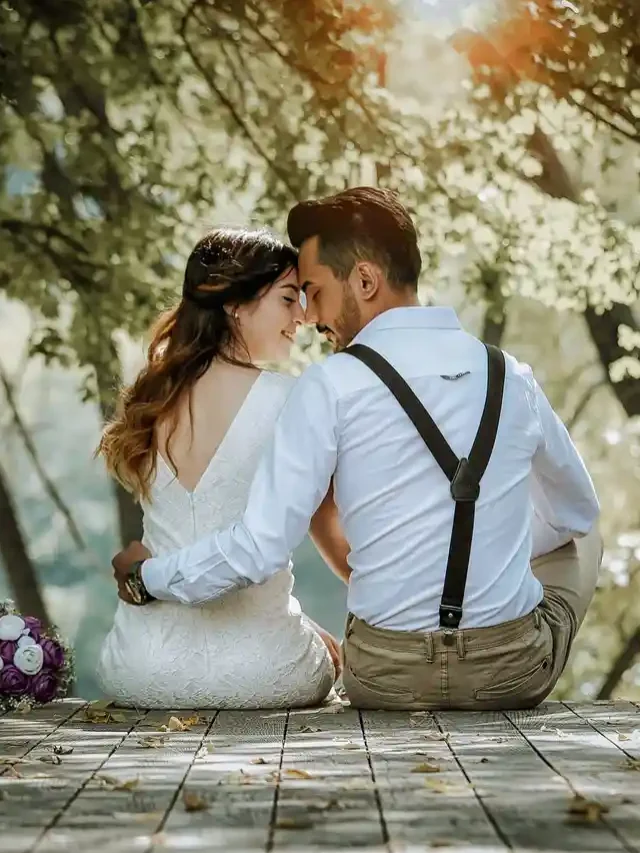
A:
428, 642
536, 617
460, 644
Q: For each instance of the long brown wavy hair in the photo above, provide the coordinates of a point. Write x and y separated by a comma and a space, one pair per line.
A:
228, 267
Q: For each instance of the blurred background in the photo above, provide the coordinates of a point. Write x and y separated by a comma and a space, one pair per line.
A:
510, 129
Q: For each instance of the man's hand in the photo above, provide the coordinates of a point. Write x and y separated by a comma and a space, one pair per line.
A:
122, 564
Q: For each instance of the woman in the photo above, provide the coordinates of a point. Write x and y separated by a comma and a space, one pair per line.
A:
186, 442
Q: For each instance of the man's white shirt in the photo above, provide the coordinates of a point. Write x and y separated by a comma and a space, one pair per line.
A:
394, 501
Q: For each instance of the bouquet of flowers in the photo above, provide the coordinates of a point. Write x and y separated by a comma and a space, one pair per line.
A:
36, 666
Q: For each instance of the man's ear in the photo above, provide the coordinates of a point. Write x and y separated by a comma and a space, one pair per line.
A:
369, 279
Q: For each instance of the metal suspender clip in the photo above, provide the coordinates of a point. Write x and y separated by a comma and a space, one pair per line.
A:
450, 616
465, 487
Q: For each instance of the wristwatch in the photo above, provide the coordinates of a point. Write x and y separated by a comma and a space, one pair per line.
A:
135, 586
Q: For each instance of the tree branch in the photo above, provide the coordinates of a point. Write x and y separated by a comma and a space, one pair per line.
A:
50, 487
280, 174
621, 664
583, 403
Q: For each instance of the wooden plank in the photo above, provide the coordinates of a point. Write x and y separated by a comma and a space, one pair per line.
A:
521, 794
590, 764
327, 798
424, 809
20, 733
240, 794
146, 783
36, 798
618, 721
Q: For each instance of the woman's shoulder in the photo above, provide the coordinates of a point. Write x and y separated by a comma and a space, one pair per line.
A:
278, 382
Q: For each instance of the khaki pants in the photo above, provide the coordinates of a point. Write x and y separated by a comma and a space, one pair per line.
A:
512, 665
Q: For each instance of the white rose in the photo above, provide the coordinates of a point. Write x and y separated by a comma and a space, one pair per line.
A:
26, 641
29, 659
11, 627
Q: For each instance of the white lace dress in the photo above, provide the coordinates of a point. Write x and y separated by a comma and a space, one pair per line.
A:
253, 648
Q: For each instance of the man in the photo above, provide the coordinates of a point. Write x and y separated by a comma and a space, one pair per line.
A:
446, 607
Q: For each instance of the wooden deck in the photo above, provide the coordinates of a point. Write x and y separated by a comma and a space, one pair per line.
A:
73, 779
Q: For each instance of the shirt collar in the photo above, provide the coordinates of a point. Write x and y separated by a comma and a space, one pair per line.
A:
414, 317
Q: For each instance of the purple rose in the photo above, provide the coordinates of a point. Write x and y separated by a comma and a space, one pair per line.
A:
53, 654
34, 625
44, 686
8, 650
12, 681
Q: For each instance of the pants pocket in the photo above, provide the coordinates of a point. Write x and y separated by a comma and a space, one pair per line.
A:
522, 688
370, 695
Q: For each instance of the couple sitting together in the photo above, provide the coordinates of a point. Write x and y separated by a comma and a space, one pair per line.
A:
429, 470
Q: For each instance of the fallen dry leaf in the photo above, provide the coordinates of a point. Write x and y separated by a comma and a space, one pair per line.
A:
623, 736
632, 764
51, 758
436, 736
175, 724
194, 802
332, 803
307, 730
113, 784
589, 811
426, 767
150, 742
100, 713
59, 749
438, 786
293, 773
301, 822
258, 761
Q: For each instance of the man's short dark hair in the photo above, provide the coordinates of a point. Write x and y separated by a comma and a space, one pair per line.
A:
360, 224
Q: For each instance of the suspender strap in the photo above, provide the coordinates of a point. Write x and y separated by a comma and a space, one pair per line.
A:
464, 474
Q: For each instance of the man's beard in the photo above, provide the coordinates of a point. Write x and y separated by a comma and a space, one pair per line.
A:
349, 323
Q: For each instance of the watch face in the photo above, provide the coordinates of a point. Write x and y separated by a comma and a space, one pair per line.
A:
133, 591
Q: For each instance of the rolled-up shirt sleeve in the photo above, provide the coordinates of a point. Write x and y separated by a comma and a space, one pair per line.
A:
292, 478
565, 505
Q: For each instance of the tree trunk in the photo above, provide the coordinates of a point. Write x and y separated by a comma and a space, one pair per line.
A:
129, 513
603, 328
622, 663
604, 334
19, 566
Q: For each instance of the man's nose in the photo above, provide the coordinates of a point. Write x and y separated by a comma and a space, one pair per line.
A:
310, 316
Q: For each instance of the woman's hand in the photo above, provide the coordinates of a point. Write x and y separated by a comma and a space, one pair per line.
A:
332, 645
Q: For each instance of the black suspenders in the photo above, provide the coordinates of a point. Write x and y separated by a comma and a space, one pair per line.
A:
463, 474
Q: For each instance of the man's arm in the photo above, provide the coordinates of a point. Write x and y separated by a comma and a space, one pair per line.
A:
326, 534
291, 480
564, 499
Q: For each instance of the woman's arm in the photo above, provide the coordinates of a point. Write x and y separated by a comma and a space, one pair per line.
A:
326, 534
